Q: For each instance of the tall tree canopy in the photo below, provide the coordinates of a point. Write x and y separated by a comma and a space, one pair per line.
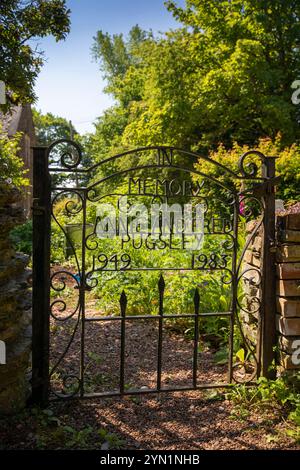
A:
20, 22
225, 75
49, 128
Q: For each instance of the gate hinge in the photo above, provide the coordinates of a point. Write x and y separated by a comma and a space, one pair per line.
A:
36, 208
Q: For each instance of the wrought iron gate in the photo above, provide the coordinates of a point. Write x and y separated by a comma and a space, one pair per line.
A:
104, 251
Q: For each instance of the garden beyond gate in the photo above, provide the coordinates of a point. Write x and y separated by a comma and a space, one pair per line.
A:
148, 236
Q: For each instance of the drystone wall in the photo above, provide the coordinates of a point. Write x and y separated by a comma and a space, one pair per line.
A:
288, 289
287, 314
15, 308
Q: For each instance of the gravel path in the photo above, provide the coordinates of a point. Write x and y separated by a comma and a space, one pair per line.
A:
179, 420
172, 421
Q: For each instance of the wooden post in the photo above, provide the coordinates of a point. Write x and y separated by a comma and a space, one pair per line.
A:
41, 276
268, 310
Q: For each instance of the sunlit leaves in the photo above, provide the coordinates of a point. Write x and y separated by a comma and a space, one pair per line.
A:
20, 22
12, 169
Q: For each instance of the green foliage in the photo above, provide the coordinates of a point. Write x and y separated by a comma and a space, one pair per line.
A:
224, 76
51, 431
20, 22
21, 237
49, 128
266, 392
106, 141
240, 354
215, 296
287, 164
120, 60
11, 165
55, 433
113, 441
281, 392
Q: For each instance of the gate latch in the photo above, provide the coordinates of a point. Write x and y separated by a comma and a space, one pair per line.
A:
36, 208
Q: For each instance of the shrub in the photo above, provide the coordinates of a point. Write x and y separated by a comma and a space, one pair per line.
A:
21, 237
287, 164
11, 166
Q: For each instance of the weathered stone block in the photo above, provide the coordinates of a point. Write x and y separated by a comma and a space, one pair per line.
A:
286, 361
248, 257
288, 288
288, 253
250, 331
288, 344
289, 222
257, 244
248, 318
288, 326
11, 332
8, 194
13, 398
289, 236
251, 273
288, 307
252, 257
288, 271
252, 307
256, 259
250, 226
251, 289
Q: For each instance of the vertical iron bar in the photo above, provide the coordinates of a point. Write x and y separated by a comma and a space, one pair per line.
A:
161, 288
259, 342
196, 337
123, 305
82, 297
40, 276
234, 288
268, 305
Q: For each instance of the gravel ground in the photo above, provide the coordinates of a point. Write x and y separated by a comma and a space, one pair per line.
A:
172, 421
184, 422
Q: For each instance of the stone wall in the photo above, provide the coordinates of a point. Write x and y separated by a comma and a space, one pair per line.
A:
287, 287
15, 308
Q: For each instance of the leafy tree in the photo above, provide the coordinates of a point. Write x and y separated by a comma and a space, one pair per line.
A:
120, 60
247, 85
224, 76
108, 134
20, 22
49, 128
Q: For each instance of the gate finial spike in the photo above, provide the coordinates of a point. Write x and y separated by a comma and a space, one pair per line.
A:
161, 283
196, 300
123, 302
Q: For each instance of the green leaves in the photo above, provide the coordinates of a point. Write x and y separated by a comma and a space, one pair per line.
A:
20, 22
12, 169
224, 76
240, 354
287, 164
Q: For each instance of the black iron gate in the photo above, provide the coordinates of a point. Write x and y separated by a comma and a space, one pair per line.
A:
129, 235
